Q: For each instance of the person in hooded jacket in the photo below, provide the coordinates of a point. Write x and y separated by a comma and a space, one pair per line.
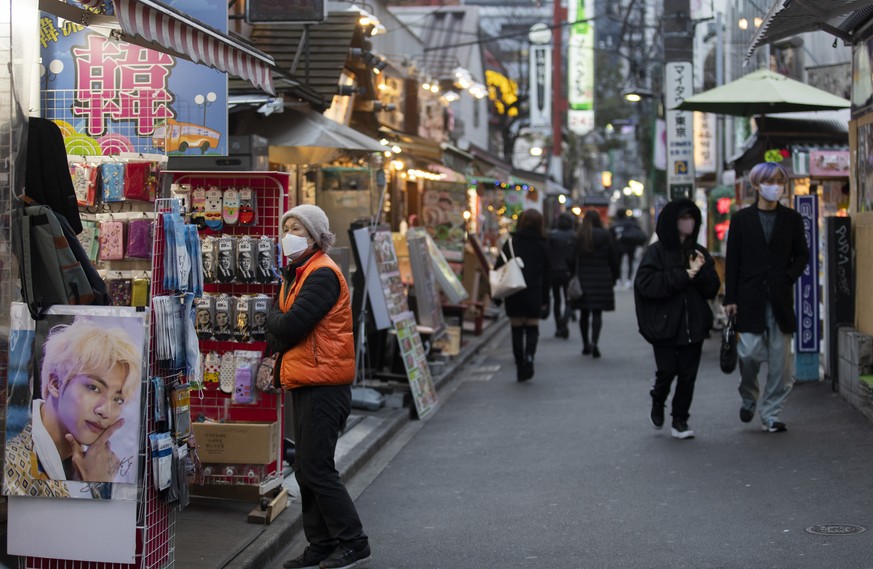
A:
674, 281
562, 242
526, 307
597, 269
311, 327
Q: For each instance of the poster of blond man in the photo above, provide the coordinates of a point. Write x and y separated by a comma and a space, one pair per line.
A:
73, 423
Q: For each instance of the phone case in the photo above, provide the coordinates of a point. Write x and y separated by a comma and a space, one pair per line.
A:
111, 241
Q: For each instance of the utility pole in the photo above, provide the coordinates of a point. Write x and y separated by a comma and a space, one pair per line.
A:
678, 34
559, 101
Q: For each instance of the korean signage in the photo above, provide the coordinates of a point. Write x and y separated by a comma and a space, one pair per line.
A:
580, 67
540, 86
704, 142
110, 97
680, 129
806, 289
285, 11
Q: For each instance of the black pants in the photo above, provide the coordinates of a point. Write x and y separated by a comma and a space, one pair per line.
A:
329, 515
630, 254
680, 362
561, 305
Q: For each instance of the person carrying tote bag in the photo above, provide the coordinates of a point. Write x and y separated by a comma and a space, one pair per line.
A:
525, 307
509, 278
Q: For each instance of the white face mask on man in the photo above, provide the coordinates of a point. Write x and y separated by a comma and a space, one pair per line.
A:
294, 245
771, 192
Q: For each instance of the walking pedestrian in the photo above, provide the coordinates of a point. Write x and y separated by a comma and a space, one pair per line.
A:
766, 253
562, 242
597, 269
526, 307
674, 281
311, 327
627, 236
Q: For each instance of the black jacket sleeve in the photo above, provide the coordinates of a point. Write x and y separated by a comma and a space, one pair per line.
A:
799, 250
706, 280
318, 294
732, 262
655, 280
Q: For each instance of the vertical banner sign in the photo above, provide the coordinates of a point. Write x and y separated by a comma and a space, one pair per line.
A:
704, 142
580, 67
540, 86
806, 289
109, 97
680, 129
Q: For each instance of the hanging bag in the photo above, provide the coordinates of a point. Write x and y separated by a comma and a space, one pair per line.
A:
508, 279
728, 352
574, 289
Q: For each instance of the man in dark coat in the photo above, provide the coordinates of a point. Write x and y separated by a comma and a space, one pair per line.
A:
562, 242
627, 236
675, 280
766, 253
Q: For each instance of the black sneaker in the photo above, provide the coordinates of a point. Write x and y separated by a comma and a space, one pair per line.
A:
657, 416
774, 426
681, 430
344, 557
746, 415
308, 560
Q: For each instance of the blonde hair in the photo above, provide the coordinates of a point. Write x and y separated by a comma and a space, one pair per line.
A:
83, 347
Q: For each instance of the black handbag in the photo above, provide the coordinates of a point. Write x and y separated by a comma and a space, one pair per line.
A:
728, 352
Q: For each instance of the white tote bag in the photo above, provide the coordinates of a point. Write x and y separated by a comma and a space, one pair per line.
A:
508, 279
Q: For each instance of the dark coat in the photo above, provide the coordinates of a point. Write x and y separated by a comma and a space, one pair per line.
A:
597, 272
672, 309
47, 178
534, 252
756, 272
562, 243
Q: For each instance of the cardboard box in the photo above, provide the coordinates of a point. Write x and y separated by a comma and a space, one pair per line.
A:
237, 443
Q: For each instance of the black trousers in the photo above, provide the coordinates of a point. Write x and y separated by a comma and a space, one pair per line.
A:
329, 514
680, 362
561, 306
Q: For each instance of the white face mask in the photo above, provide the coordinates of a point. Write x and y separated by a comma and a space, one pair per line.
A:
771, 192
294, 245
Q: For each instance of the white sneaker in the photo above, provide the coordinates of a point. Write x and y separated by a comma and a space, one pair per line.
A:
681, 430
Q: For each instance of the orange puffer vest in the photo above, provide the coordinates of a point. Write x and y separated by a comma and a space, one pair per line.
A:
326, 356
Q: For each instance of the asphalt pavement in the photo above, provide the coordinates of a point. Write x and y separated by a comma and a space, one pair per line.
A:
566, 471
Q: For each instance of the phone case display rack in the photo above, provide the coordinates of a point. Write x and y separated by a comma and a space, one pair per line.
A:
155, 526
271, 190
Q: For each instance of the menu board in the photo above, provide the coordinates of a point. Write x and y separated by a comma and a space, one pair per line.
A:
388, 271
443, 215
445, 275
412, 352
427, 298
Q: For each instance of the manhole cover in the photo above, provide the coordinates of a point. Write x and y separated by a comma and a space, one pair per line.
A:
836, 529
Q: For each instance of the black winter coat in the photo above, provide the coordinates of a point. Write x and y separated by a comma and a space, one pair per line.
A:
672, 309
756, 272
562, 243
597, 272
47, 179
534, 252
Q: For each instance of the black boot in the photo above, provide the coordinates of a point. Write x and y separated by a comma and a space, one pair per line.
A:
532, 336
518, 352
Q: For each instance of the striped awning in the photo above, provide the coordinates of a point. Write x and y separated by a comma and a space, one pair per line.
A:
178, 34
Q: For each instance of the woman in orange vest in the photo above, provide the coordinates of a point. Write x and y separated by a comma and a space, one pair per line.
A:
311, 327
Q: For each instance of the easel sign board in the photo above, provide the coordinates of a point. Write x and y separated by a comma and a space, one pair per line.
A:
424, 394
378, 306
445, 275
430, 310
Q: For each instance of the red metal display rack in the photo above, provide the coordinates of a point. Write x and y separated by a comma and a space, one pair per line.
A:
271, 190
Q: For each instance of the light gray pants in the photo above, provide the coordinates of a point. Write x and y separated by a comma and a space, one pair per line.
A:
771, 348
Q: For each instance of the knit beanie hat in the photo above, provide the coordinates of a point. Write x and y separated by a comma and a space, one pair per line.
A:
315, 221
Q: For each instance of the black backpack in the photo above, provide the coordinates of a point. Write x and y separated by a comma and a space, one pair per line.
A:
52, 265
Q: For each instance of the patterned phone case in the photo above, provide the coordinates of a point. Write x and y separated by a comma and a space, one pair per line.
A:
111, 241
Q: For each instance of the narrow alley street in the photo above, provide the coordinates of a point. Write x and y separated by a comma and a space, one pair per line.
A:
567, 472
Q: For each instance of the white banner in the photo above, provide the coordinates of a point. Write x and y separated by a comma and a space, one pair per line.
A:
540, 86
580, 67
680, 128
704, 142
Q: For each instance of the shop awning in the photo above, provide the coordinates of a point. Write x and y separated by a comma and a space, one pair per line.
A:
303, 136
153, 24
788, 18
318, 62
